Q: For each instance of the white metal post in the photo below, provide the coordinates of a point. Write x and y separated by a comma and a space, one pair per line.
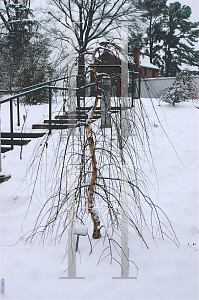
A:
124, 172
124, 225
72, 238
73, 168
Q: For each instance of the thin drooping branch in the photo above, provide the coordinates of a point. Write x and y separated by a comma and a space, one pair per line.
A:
98, 156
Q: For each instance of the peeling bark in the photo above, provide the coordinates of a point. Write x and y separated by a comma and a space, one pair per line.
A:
91, 199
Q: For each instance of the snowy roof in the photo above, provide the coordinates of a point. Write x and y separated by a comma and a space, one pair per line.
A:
146, 63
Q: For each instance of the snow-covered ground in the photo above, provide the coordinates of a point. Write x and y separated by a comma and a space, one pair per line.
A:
164, 271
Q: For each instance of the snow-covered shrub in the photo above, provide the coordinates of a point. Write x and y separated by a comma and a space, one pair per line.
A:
183, 89
175, 93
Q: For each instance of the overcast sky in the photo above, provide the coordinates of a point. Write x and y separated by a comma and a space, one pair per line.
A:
194, 4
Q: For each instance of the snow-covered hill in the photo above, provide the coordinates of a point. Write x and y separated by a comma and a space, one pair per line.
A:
164, 271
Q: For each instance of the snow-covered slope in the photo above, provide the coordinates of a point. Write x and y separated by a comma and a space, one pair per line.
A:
164, 271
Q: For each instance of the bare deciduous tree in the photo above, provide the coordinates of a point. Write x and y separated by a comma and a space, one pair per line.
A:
92, 20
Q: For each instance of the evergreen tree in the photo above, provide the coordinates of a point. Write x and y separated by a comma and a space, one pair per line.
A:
17, 27
35, 68
18, 24
24, 54
152, 12
179, 37
171, 36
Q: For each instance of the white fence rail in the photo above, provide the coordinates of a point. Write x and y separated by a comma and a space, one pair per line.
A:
152, 87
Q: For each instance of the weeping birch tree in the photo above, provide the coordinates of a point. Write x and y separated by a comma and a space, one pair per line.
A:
95, 154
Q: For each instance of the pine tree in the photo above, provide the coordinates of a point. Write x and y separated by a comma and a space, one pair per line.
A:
35, 68
179, 37
171, 37
24, 53
18, 27
18, 23
152, 11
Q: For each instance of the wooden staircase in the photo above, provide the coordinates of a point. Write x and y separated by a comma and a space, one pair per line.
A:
67, 120
16, 139
73, 119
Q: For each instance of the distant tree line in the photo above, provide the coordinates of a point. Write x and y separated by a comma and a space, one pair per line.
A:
169, 39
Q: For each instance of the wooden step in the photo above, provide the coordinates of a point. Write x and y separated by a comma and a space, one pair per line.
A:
114, 109
59, 117
19, 135
15, 142
88, 108
83, 117
5, 149
56, 126
61, 121
74, 114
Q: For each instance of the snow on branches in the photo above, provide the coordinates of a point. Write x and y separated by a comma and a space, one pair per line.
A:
183, 89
